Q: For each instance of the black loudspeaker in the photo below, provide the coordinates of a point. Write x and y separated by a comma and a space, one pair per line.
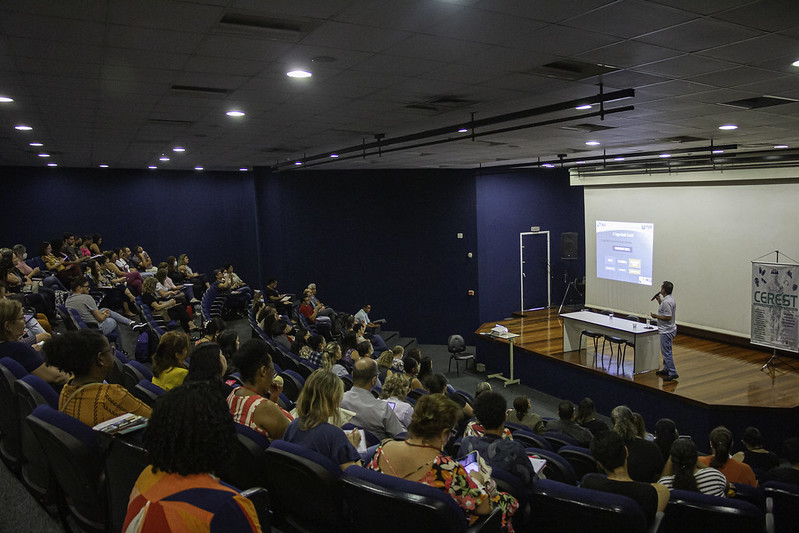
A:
568, 246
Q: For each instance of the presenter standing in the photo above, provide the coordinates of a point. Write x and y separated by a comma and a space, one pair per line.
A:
667, 329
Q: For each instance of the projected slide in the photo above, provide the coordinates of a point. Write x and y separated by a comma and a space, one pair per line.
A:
624, 251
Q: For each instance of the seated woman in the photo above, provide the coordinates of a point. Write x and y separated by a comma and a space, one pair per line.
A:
689, 474
84, 248
87, 354
12, 326
96, 242
411, 366
300, 344
255, 403
169, 368
586, 417
384, 363
238, 298
207, 363
522, 414
166, 309
755, 455
420, 458
166, 289
63, 269
319, 405
213, 328
189, 435
114, 288
395, 391
280, 333
20, 254
198, 280
331, 359
133, 279
721, 446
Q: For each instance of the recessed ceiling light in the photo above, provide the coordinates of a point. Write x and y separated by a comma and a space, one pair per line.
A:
36, 144
728, 127
618, 159
6, 99
178, 149
780, 146
592, 143
52, 164
718, 151
664, 155
334, 156
44, 155
299, 74
235, 113
795, 63
103, 165
152, 167
583, 107
462, 130
198, 168
22, 127
548, 165
298, 163
243, 169
163, 158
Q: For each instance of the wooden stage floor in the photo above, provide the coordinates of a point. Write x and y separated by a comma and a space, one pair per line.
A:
711, 373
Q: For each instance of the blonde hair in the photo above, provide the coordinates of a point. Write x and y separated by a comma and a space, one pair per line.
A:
386, 359
319, 399
397, 385
148, 287
9, 310
329, 355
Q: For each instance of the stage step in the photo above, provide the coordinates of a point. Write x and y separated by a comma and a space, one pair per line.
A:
407, 343
390, 337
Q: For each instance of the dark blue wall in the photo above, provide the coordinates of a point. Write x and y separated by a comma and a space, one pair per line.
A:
208, 215
509, 204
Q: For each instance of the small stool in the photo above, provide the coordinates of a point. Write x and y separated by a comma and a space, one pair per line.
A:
620, 348
595, 336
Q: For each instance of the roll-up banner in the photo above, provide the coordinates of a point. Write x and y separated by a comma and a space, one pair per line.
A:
775, 297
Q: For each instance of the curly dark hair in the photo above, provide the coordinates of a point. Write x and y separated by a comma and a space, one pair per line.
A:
74, 351
489, 408
191, 431
433, 414
205, 364
252, 355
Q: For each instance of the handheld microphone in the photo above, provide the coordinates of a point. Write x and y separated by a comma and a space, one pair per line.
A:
655, 296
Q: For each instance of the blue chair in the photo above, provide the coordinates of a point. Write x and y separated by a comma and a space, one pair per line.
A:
557, 468
11, 442
379, 502
557, 439
531, 440
581, 460
693, 512
246, 467
508, 482
292, 384
74, 455
132, 373
304, 488
782, 502
32, 391
148, 392
123, 464
558, 507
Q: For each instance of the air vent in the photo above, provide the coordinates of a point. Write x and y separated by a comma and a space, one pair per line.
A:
759, 102
567, 69
682, 139
266, 27
169, 122
586, 128
193, 90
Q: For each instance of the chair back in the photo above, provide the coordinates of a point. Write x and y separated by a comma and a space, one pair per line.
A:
557, 468
32, 391
148, 392
581, 460
74, 455
304, 369
304, 488
557, 439
415, 394
65, 315
292, 384
79, 322
456, 344
124, 463
558, 507
245, 468
783, 502
694, 512
10, 421
132, 373
531, 440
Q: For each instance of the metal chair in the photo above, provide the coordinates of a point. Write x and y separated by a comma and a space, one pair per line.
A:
618, 347
593, 335
457, 352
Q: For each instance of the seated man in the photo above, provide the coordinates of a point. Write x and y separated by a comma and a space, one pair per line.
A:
370, 413
282, 302
371, 329
568, 426
509, 455
786, 474
611, 454
105, 319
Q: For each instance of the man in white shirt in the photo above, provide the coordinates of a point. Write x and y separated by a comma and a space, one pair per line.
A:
667, 328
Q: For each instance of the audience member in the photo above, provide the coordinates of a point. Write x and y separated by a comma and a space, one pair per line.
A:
611, 454
721, 446
522, 414
255, 403
411, 366
282, 302
318, 406
12, 326
370, 413
167, 309
106, 320
206, 364
480, 388
426, 368
754, 454
331, 360
228, 342
437, 384
665, 434
280, 333
213, 328
499, 452
300, 344
384, 363
645, 462
395, 392
87, 354
640, 428
189, 436
397, 365
586, 417
568, 426
687, 473
317, 345
786, 474
169, 368
420, 458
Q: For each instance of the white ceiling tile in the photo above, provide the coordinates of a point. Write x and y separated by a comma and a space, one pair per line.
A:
629, 18
699, 34
767, 15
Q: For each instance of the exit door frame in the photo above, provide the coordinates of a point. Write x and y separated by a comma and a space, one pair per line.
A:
521, 266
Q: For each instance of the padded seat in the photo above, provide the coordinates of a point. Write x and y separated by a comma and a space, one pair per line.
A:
456, 347
693, 512
595, 336
618, 347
